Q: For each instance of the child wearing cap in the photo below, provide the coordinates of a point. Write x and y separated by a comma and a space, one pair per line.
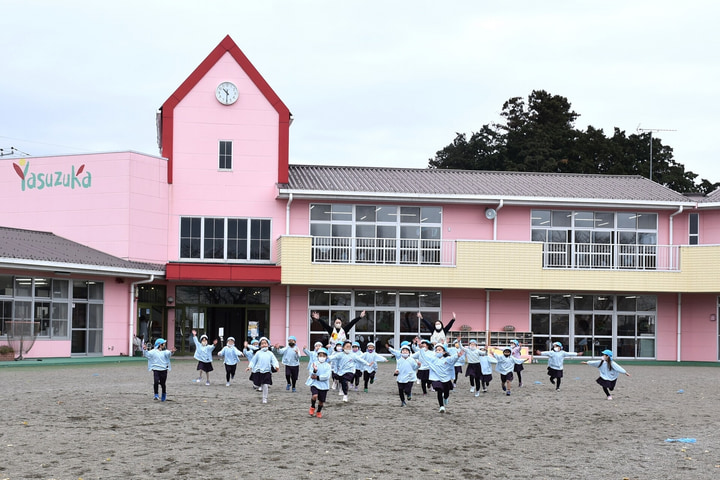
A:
405, 371
263, 364
609, 372
345, 366
556, 359
453, 349
358, 366
505, 365
442, 371
203, 354
372, 358
517, 353
291, 359
231, 356
312, 355
479, 367
333, 360
319, 382
159, 364
423, 373
249, 352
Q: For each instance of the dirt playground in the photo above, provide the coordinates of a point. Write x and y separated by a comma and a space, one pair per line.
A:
99, 421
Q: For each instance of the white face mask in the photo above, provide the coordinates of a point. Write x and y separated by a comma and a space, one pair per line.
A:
264, 349
347, 351
405, 355
557, 349
483, 352
439, 354
322, 359
438, 326
473, 347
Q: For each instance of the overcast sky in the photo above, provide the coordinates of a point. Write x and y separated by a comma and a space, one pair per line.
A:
377, 83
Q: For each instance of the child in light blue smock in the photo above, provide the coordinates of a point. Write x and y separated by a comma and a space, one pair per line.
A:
556, 359
405, 371
159, 364
319, 382
505, 366
231, 356
609, 372
291, 359
442, 371
345, 367
263, 364
312, 354
372, 358
203, 354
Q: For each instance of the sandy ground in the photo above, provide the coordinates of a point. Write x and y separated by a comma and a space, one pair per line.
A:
100, 422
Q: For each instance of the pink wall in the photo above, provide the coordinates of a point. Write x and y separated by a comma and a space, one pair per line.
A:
125, 197
200, 122
699, 335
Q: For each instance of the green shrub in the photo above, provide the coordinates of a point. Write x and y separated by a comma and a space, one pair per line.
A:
5, 349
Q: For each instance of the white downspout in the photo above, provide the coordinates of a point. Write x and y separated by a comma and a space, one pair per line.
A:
679, 325
487, 318
497, 209
680, 209
287, 288
133, 312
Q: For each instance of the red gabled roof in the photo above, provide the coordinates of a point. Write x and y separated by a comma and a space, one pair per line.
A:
229, 46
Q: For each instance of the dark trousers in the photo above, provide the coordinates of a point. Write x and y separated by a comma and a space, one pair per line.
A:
159, 379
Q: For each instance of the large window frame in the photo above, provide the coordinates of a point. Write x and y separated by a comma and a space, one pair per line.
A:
221, 239
376, 234
35, 307
591, 323
596, 239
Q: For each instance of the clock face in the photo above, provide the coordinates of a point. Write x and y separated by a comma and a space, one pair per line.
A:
226, 93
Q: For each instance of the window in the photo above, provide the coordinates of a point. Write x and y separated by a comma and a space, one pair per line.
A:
223, 239
589, 324
225, 155
34, 307
585, 239
694, 227
378, 234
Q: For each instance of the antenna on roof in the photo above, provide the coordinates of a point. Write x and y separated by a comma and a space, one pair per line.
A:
651, 130
4, 152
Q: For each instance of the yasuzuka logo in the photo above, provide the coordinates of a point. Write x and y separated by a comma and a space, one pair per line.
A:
37, 181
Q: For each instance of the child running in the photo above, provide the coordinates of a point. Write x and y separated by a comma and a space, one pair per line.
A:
556, 359
423, 373
263, 364
319, 382
479, 367
345, 365
291, 359
203, 354
505, 364
333, 365
442, 372
609, 372
358, 366
249, 352
517, 353
159, 364
231, 356
312, 355
405, 371
372, 358
486, 363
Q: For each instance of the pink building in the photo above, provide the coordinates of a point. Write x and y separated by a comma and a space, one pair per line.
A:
223, 234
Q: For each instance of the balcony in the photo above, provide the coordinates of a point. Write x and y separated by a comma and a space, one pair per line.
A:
611, 256
383, 251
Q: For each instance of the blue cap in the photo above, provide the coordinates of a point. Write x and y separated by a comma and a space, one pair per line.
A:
405, 342
441, 345
472, 340
515, 342
292, 338
254, 341
558, 344
159, 342
323, 350
356, 344
608, 353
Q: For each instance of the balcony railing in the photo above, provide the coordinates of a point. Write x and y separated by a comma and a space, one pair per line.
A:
383, 251
611, 256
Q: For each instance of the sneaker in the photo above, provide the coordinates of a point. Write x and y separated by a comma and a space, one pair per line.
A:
609, 397
445, 401
477, 394
484, 389
442, 409
344, 398
417, 382
507, 393
312, 411
197, 380
472, 389
432, 389
163, 397
287, 387
409, 397
504, 388
293, 390
365, 390
156, 397
552, 380
557, 389
334, 385
424, 394
340, 393
319, 415
264, 400
207, 384
519, 384
403, 404
355, 388
372, 380
227, 384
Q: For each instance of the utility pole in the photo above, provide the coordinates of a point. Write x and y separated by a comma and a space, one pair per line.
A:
651, 130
